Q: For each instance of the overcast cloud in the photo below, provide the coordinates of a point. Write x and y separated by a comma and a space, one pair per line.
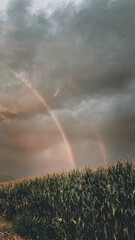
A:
80, 55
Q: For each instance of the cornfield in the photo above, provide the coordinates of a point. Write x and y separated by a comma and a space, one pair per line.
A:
87, 205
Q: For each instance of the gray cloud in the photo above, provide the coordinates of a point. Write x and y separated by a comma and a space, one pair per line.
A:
86, 51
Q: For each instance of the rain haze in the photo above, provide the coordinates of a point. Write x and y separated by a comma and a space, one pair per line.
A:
78, 57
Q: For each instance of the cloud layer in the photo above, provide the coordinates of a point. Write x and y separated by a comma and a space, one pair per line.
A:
86, 52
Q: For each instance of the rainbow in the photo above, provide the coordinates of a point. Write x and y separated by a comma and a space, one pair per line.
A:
54, 117
52, 114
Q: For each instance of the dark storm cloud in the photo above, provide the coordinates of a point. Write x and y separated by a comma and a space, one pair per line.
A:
101, 25
21, 41
109, 27
85, 51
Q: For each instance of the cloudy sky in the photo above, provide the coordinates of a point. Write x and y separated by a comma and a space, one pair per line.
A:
80, 56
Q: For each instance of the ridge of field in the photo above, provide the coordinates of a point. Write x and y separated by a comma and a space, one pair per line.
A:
87, 205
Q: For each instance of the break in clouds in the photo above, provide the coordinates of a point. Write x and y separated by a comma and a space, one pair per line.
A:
81, 58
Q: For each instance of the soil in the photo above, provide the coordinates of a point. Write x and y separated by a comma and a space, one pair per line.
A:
7, 231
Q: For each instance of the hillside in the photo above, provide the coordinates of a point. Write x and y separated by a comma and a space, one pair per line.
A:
87, 205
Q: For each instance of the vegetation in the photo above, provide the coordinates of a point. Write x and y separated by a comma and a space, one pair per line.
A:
87, 205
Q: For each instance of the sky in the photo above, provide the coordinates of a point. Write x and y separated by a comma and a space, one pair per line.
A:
80, 58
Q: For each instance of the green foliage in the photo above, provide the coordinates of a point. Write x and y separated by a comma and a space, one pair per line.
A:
87, 205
